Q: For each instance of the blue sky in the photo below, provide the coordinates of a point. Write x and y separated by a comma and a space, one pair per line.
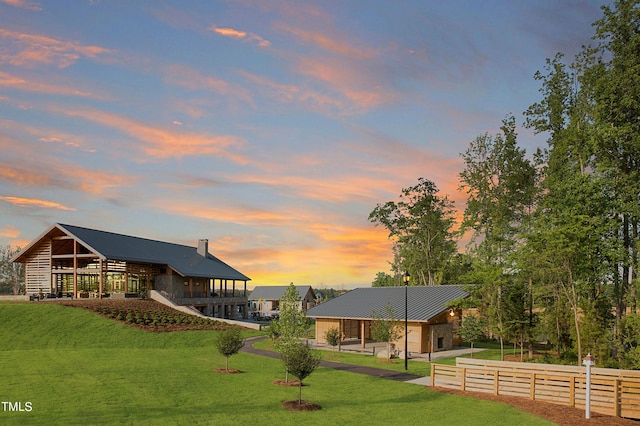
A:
271, 128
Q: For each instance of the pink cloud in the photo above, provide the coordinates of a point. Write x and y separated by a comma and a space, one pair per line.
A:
191, 79
312, 100
164, 143
337, 45
29, 50
22, 4
241, 35
18, 83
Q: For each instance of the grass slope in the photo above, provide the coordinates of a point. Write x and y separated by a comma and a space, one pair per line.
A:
76, 367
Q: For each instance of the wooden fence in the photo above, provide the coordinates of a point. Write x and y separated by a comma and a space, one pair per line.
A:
613, 392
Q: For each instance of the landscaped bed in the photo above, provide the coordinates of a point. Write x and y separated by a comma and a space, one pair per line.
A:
147, 314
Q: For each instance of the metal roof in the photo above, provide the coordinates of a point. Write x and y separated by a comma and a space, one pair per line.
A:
277, 291
424, 303
183, 259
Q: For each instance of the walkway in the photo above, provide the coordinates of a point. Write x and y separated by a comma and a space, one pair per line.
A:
369, 371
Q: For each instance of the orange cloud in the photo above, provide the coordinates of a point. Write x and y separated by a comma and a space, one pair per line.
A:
18, 83
10, 232
33, 202
28, 50
23, 4
165, 143
232, 33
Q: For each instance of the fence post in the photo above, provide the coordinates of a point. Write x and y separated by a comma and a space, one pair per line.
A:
463, 378
532, 389
433, 374
572, 392
588, 362
616, 397
496, 382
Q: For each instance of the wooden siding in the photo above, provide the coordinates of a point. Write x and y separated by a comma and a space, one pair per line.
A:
38, 269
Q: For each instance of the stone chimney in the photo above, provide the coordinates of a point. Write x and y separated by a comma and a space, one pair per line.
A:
203, 247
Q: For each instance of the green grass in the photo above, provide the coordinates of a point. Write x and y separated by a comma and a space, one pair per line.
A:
76, 367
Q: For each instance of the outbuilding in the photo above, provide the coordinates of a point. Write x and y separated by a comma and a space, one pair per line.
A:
432, 315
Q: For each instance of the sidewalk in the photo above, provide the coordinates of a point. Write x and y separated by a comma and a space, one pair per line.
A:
370, 349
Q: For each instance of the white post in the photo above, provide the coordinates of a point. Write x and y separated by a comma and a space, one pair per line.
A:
588, 362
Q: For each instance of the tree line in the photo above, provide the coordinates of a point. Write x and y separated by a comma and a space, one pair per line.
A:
554, 235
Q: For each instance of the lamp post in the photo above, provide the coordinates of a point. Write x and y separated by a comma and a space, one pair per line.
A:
405, 278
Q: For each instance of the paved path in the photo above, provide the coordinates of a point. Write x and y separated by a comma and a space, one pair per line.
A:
369, 371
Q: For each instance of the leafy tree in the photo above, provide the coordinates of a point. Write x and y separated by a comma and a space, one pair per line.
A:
420, 224
301, 361
384, 280
11, 274
472, 329
629, 342
332, 335
229, 343
290, 325
386, 328
501, 186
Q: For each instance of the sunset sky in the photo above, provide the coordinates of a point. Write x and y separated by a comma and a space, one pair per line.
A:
272, 128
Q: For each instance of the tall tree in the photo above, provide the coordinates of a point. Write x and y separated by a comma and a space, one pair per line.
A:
500, 183
614, 83
420, 225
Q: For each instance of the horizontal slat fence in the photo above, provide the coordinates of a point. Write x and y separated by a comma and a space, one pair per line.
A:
613, 392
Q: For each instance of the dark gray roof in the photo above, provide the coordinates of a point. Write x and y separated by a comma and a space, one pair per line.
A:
183, 259
277, 291
423, 303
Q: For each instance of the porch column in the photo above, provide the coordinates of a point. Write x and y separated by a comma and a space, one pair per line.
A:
363, 337
101, 279
75, 269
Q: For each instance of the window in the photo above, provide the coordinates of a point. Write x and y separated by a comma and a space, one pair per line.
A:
440, 342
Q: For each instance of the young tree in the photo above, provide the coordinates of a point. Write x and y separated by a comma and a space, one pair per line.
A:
301, 361
290, 325
420, 223
386, 328
229, 343
471, 329
333, 336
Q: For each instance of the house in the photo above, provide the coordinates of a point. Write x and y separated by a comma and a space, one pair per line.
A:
264, 301
431, 318
82, 263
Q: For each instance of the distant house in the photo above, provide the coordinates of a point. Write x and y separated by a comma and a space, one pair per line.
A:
264, 301
432, 321
82, 262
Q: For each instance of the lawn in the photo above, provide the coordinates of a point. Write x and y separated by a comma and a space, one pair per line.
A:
76, 367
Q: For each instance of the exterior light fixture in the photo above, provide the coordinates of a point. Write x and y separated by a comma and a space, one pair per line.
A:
405, 278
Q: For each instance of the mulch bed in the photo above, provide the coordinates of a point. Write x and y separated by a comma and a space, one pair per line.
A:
559, 414
304, 406
229, 371
146, 314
